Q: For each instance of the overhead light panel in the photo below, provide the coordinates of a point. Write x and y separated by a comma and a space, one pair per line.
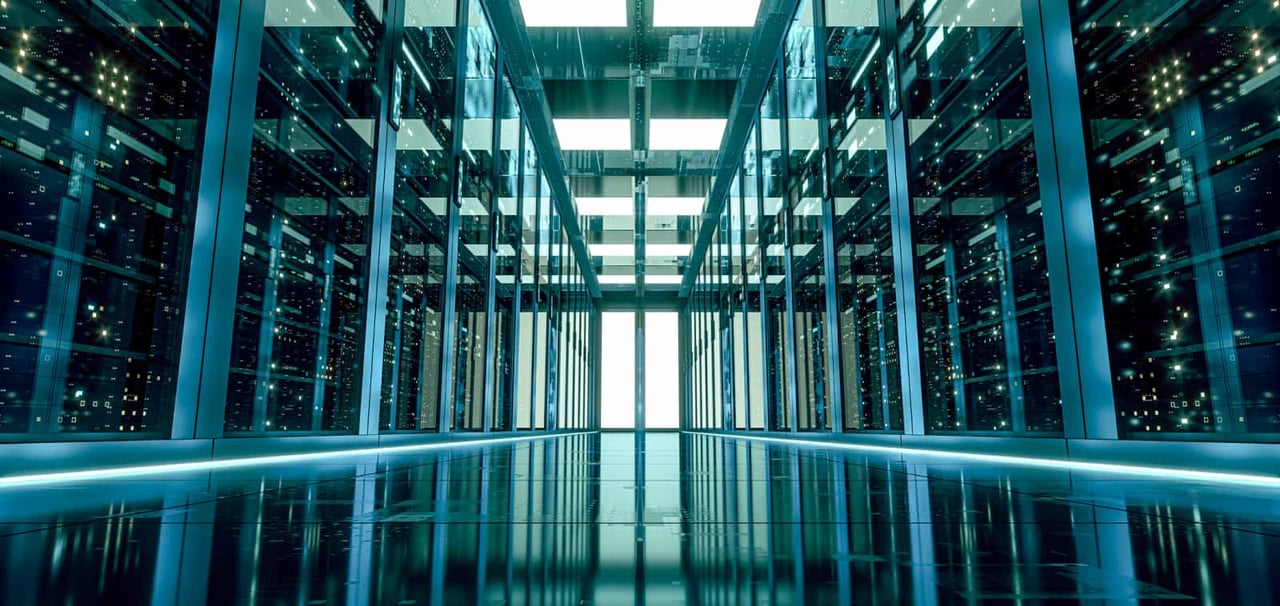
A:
668, 250
574, 13
611, 250
593, 134
657, 206
605, 207
686, 134
705, 13
650, 250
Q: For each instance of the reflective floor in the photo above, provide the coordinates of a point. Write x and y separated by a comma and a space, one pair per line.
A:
583, 520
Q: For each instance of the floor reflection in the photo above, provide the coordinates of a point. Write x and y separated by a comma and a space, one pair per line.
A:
616, 519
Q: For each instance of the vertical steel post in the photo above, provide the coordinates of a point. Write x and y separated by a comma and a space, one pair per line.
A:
900, 208
381, 214
1075, 280
204, 366
449, 319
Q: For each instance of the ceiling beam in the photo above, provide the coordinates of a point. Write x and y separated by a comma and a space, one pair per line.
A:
771, 27
522, 67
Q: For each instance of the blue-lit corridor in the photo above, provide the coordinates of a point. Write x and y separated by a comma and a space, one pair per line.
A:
607, 302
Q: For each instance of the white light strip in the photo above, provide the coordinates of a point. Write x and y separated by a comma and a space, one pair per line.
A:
574, 13
605, 206
686, 134
414, 64
705, 13
1132, 470
148, 470
871, 56
593, 134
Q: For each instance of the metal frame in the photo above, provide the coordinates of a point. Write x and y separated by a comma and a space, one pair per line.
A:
766, 43
1075, 281
835, 378
449, 321
204, 365
382, 208
508, 26
1074, 275
913, 418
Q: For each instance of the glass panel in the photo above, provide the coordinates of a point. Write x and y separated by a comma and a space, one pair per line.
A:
1180, 127
99, 159
507, 256
428, 61
864, 253
774, 226
297, 344
986, 338
411, 375
477, 202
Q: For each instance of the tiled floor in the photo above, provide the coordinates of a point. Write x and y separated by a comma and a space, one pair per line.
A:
723, 521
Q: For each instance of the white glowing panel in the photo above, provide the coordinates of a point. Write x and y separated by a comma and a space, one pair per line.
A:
852, 13
611, 250
574, 13
414, 134
651, 250
604, 207
809, 207
974, 13
668, 250
657, 206
430, 13
588, 134
692, 134
616, 279
663, 279
307, 13
705, 13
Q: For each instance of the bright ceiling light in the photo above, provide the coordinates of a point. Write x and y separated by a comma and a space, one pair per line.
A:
628, 250
690, 134
705, 13
657, 206
668, 250
663, 279
616, 279
611, 250
593, 134
604, 207
574, 13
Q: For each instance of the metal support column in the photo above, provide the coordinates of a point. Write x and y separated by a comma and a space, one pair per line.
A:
517, 295
381, 213
913, 418
768, 391
835, 378
1075, 280
686, 368
788, 241
204, 366
491, 280
449, 319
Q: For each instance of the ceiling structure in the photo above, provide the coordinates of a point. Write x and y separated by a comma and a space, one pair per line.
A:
639, 93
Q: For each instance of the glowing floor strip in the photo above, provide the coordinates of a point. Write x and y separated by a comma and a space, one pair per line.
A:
1130, 470
150, 470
